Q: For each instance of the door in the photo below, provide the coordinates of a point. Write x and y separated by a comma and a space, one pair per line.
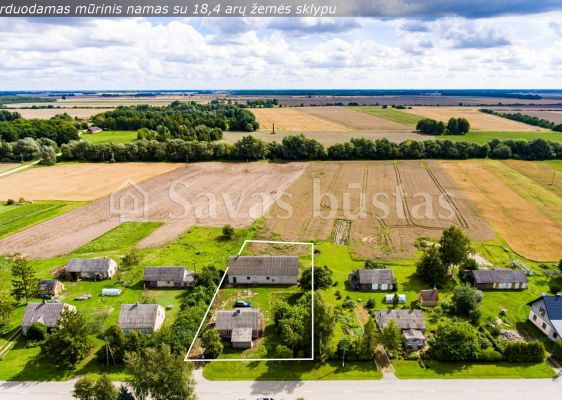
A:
233, 279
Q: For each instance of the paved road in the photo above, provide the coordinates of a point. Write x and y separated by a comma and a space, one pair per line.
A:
387, 389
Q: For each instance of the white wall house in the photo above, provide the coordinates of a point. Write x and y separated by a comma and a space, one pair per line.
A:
263, 270
546, 314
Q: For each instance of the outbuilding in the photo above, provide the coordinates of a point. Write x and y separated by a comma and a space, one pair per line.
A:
410, 322
372, 279
47, 314
49, 287
428, 297
263, 270
499, 279
239, 326
145, 318
163, 277
96, 269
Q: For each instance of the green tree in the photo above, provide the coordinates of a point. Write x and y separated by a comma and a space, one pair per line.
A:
7, 308
430, 268
466, 299
24, 280
344, 347
560, 266
395, 300
124, 394
282, 351
455, 247
391, 337
104, 389
84, 389
212, 343
209, 276
455, 341
323, 278
116, 344
324, 323
70, 340
371, 337
37, 331
48, 155
250, 148
228, 231
158, 373
452, 126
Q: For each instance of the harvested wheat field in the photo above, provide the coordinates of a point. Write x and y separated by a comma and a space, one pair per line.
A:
478, 120
514, 212
209, 194
389, 204
353, 120
44, 113
78, 182
294, 120
8, 166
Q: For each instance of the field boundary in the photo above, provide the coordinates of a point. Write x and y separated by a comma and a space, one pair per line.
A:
248, 241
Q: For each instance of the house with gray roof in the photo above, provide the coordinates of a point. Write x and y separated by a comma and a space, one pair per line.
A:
371, 279
499, 279
410, 322
96, 269
145, 318
239, 326
546, 314
263, 270
161, 277
49, 287
47, 314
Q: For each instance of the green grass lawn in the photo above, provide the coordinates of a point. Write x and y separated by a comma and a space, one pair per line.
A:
289, 370
482, 137
16, 218
391, 114
441, 370
110, 137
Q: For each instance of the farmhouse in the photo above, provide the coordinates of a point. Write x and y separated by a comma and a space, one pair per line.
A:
410, 322
240, 326
145, 318
47, 314
94, 129
500, 278
428, 297
372, 279
263, 270
91, 268
546, 314
158, 277
49, 287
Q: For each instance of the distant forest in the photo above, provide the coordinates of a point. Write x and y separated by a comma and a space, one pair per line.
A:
11, 99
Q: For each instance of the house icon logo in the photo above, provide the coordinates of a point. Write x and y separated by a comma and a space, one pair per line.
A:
129, 202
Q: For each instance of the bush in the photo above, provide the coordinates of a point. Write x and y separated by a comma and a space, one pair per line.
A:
228, 231
283, 351
130, 259
557, 350
553, 287
488, 354
37, 331
10, 202
370, 304
374, 264
348, 303
524, 352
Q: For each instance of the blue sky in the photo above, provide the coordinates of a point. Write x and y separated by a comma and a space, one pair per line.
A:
464, 44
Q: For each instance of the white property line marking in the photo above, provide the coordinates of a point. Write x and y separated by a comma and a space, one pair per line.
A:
217, 291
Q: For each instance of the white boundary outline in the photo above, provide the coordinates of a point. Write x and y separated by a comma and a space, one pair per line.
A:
187, 359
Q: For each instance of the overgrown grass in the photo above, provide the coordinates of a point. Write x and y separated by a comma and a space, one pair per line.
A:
122, 237
16, 218
110, 137
390, 114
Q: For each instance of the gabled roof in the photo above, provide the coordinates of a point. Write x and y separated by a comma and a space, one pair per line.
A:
139, 316
375, 276
46, 313
241, 335
429, 295
91, 265
48, 284
239, 318
499, 275
413, 334
264, 265
553, 305
404, 319
172, 274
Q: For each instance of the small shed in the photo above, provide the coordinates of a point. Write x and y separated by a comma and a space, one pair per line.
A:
44, 313
263, 270
499, 279
389, 298
94, 129
49, 287
428, 297
372, 279
112, 292
145, 318
162, 277
96, 269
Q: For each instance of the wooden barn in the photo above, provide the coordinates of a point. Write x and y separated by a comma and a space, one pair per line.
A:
162, 277
371, 279
499, 279
145, 318
240, 326
47, 314
96, 269
428, 297
49, 287
263, 270
410, 322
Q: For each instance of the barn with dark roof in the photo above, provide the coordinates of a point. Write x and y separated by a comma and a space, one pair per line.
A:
159, 277
263, 270
499, 278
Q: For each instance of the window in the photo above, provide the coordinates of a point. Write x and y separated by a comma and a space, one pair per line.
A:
544, 325
248, 278
534, 317
542, 312
554, 335
267, 278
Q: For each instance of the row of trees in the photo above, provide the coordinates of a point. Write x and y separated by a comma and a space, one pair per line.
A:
526, 119
60, 128
455, 126
178, 117
302, 148
199, 132
28, 149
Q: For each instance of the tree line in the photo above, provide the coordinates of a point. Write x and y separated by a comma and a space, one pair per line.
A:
455, 126
60, 128
178, 118
526, 119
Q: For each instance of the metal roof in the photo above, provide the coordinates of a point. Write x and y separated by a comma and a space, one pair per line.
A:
139, 316
168, 274
404, 319
375, 276
429, 295
264, 265
46, 313
499, 275
239, 318
241, 335
91, 265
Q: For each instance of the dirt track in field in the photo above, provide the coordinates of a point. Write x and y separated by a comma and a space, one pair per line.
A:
530, 230
8, 166
387, 222
180, 198
478, 120
77, 182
